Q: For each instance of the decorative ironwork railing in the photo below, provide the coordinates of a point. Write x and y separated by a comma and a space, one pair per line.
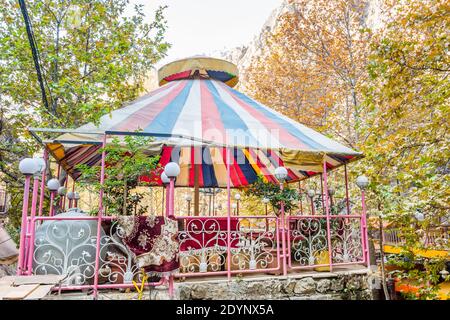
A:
66, 245
315, 242
253, 245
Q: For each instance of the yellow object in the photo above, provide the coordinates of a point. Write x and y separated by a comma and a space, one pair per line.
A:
420, 252
302, 160
141, 289
322, 258
444, 290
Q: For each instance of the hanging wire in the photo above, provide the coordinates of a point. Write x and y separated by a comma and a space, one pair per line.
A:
35, 53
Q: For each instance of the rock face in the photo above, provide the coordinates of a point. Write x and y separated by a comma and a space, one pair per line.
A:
324, 287
243, 56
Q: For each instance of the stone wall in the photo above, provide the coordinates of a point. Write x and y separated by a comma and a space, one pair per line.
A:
328, 286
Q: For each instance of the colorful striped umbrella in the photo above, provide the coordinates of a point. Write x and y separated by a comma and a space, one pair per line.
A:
204, 113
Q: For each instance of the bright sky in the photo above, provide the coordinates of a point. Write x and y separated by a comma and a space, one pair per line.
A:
208, 26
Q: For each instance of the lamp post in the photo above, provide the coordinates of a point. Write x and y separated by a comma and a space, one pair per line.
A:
27, 167
237, 196
331, 192
172, 170
53, 186
311, 193
40, 163
281, 174
165, 181
70, 196
234, 206
362, 182
62, 191
419, 216
188, 198
76, 197
266, 202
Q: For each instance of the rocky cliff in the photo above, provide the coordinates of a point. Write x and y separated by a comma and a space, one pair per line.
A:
242, 56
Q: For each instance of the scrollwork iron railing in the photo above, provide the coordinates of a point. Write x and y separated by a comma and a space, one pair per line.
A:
308, 241
67, 247
204, 243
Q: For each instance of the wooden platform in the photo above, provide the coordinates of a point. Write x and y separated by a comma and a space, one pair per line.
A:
28, 287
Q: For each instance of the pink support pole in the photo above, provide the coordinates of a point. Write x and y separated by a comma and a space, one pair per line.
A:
23, 226
52, 198
31, 227
228, 215
99, 219
327, 212
171, 196
283, 238
167, 197
65, 196
365, 228
42, 189
346, 190
321, 190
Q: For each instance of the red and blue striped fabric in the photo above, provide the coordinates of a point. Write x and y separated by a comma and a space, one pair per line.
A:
211, 115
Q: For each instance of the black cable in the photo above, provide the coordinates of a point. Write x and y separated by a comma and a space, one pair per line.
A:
34, 52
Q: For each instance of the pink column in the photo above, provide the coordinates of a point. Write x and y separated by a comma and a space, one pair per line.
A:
31, 227
23, 226
346, 190
365, 236
228, 214
52, 198
65, 196
170, 213
327, 212
321, 190
167, 197
283, 238
99, 219
42, 189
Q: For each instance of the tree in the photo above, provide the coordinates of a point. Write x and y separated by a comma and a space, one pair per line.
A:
384, 92
316, 60
406, 125
93, 59
126, 161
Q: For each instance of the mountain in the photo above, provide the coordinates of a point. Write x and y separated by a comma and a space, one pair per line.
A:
242, 56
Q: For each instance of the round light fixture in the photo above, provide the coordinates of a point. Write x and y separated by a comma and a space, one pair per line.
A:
281, 173
28, 166
311, 193
172, 169
53, 184
362, 182
164, 178
41, 164
62, 191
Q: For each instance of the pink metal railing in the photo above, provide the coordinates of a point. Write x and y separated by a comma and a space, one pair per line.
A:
254, 245
60, 248
309, 239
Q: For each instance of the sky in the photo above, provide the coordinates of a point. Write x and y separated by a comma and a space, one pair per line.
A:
202, 27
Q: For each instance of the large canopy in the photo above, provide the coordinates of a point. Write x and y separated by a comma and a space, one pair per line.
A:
205, 112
